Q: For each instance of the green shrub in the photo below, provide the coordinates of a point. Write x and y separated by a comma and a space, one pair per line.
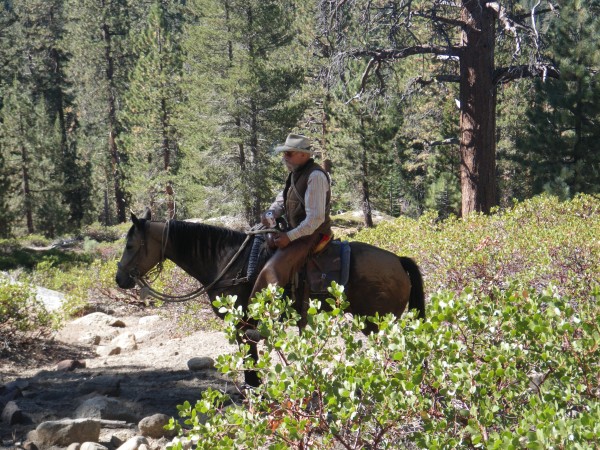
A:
514, 369
537, 242
20, 311
101, 233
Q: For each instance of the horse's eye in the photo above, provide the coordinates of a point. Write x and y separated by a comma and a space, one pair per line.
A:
128, 247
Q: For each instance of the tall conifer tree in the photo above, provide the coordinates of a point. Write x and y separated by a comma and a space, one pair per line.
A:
154, 92
239, 82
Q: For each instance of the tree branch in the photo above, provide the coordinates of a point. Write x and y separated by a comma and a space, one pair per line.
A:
507, 74
393, 53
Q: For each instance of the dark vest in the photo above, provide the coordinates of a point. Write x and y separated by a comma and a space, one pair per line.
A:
293, 197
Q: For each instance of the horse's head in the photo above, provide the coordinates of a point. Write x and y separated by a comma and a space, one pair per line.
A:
138, 257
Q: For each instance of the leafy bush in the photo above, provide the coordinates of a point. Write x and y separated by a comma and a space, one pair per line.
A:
20, 311
515, 369
101, 233
537, 242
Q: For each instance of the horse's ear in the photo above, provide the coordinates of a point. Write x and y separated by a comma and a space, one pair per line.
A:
134, 219
147, 214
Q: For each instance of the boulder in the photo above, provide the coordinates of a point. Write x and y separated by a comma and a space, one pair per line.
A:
153, 426
66, 431
105, 408
201, 363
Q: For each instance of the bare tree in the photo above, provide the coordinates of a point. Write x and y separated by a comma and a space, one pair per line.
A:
465, 41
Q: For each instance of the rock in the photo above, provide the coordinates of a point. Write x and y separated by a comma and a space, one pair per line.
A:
107, 350
125, 341
201, 363
103, 385
153, 426
89, 339
105, 408
69, 365
149, 320
74, 446
66, 431
99, 319
12, 414
92, 446
28, 445
134, 443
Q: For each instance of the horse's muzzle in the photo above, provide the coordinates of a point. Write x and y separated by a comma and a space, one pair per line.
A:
124, 280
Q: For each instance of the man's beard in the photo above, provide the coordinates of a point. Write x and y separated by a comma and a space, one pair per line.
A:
289, 166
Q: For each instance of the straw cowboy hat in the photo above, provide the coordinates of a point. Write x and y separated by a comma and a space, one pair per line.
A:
295, 143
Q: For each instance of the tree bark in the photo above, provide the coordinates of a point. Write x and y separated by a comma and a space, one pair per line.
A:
477, 109
113, 127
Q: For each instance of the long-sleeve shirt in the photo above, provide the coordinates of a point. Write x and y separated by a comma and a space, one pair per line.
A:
315, 199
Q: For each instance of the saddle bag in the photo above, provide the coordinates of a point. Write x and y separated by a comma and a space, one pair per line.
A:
331, 264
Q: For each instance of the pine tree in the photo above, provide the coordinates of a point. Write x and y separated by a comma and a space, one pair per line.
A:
238, 87
562, 141
154, 92
101, 58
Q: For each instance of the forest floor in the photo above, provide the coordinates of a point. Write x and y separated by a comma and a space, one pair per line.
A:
153, 378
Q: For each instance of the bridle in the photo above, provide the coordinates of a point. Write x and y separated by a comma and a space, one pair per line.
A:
147, 290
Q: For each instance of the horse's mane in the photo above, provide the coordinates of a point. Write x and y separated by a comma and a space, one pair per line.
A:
201, 240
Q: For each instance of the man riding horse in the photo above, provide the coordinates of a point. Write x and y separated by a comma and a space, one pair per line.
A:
306, 202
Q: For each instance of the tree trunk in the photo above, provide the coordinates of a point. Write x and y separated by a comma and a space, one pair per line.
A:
364, 178
113, 127
26, 189
477, 109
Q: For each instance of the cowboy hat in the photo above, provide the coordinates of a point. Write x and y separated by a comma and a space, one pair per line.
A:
296, 143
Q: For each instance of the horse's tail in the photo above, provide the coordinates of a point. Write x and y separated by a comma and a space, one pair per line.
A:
417, 294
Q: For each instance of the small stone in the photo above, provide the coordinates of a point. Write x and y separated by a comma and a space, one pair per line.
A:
149, 320
92, 446
125, 342
134, 443
107, 350
103, 385
201, 363
153, 426
12, 414
69, 365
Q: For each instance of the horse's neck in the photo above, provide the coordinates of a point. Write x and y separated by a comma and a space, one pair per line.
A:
204, 256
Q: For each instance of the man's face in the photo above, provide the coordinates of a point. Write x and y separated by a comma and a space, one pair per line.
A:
293, 160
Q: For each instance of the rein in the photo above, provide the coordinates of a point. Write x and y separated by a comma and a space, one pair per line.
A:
147, 290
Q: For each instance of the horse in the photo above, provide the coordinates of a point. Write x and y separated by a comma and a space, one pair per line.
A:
379, 281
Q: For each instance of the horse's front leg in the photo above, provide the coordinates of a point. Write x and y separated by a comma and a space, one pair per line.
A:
251, 337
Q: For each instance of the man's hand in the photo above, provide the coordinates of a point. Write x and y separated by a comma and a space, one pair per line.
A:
281, 240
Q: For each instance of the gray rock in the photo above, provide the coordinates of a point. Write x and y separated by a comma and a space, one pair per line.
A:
68, 365
99, 319
153, 426
201, 363
92, 446
134, 443
107, 350
149, 320
105, 408
103, 385
66, 431
125, 341
12, 414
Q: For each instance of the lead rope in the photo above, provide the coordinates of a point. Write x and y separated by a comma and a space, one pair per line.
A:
147, 290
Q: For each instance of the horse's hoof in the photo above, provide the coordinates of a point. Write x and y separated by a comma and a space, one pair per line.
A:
253, 335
